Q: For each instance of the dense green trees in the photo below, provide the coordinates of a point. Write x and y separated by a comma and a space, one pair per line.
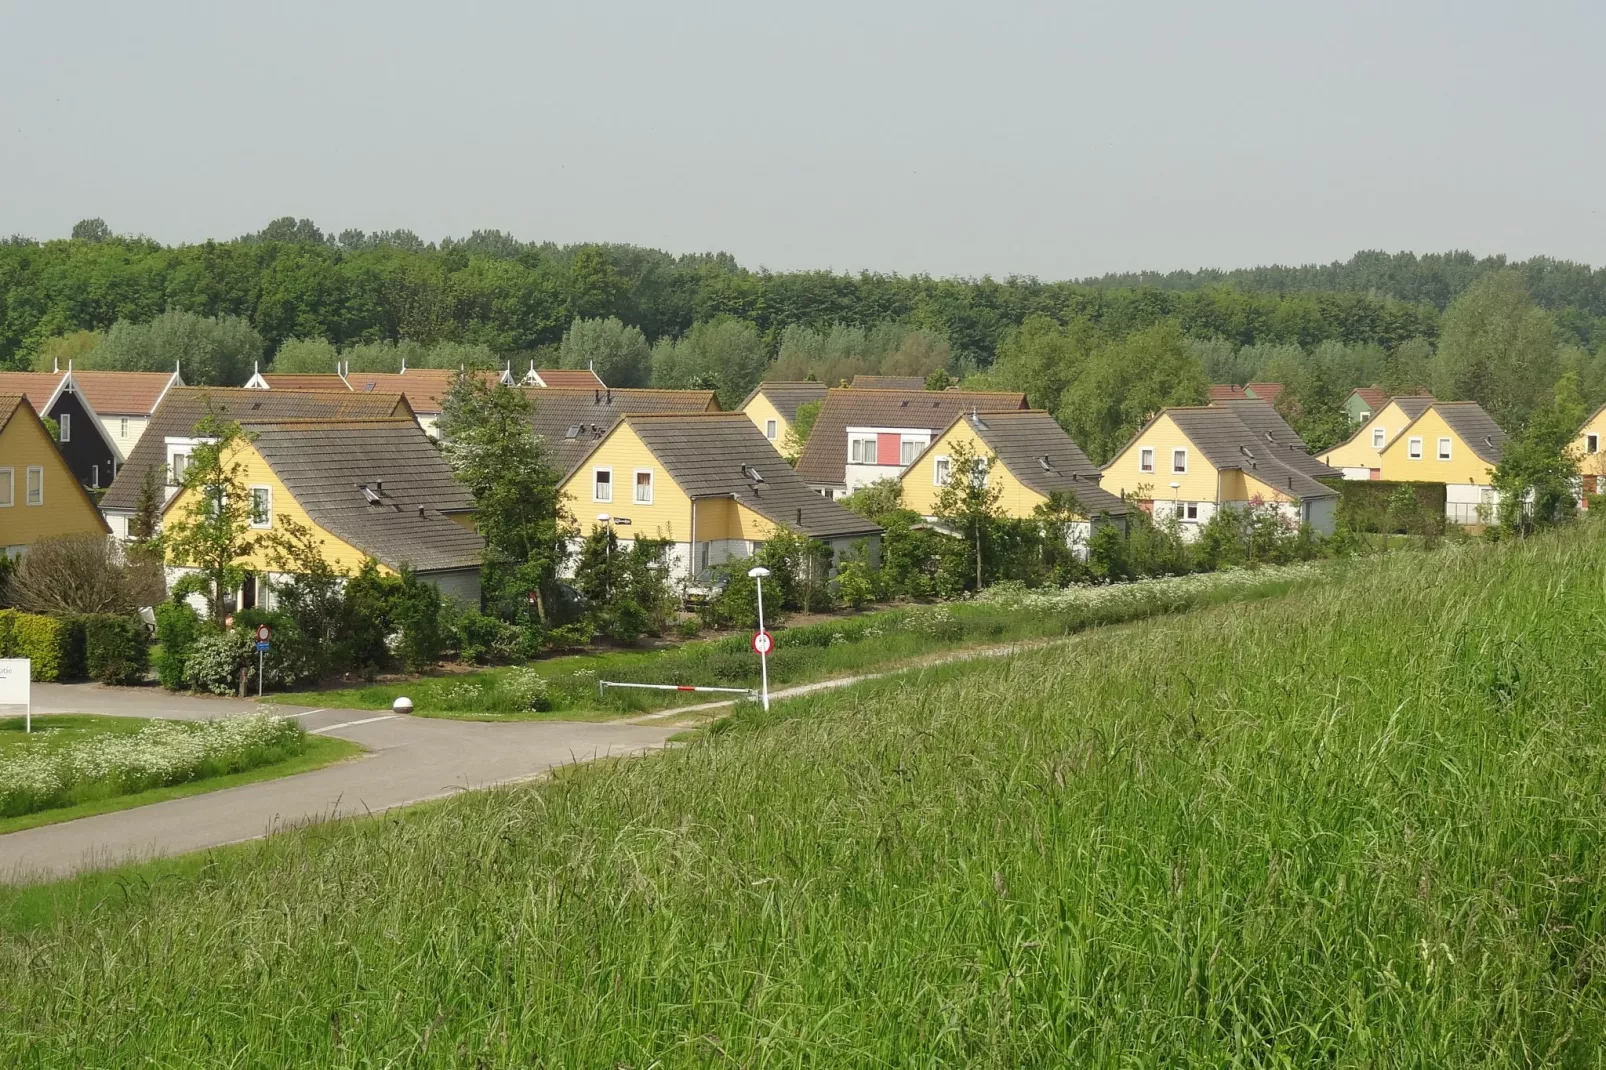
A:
619, 354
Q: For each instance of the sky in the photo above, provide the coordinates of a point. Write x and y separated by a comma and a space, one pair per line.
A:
1052, 139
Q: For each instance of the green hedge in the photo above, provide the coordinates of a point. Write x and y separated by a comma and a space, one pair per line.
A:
50, 644
1367, 505
117, 649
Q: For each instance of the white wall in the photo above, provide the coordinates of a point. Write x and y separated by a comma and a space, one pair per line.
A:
861, 475
1469, 503
1356, 473
113, 426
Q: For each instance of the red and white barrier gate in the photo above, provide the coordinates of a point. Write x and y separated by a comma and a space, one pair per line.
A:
602, 685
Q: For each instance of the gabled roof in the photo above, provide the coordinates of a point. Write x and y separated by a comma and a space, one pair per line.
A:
40, 387
573, 378
11, 405
1264, 391
1227, 443
1035, 449
426, 388
570, 422
1412, 406
1226, 392
712, 455
1472, 426
113, 393
787, 397
889, 382
825, 458
301, 381
1375, 398
1275, 433
402, 517
186, 406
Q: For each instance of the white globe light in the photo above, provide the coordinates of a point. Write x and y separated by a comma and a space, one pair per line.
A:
758, 573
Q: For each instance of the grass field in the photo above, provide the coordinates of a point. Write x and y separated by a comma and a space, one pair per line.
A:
1357, 826
838, 647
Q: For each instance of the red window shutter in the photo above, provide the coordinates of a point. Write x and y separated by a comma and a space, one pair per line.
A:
886, 448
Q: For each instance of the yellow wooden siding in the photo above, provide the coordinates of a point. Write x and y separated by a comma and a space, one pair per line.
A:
1358, 452
1198, 483
919, 480
1592, 464
669, 514
66, 508
761, 409
1464, 466
1249, 486
255, 472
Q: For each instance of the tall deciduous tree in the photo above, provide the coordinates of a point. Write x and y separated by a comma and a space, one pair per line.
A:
968, 503
210, 351
1042, 358
619, 354
1496, 348
1538, 473
1125, 383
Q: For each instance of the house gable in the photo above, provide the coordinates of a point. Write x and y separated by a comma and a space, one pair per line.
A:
65, 507
919, 480
1124, 474
1463, 466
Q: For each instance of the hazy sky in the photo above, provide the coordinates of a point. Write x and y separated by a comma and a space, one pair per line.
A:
1055, 139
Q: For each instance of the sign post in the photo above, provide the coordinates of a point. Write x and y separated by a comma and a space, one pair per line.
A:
263, 634
15, 687
762, 642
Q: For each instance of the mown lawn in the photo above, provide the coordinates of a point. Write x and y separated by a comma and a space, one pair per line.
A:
1360, 825
818, 651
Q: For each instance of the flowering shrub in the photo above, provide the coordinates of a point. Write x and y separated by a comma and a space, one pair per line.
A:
161, 753
216, 659
524, 689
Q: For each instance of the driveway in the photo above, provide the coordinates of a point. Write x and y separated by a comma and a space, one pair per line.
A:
410, 759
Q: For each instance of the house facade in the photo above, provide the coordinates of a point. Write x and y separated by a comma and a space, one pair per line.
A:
90, 455
773, 407
1455, 443
124, 403
710, 483
1361, 455
1190, 463
1363, 403
1590, 450
40, 496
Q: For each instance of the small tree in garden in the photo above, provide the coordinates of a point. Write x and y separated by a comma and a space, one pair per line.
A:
875, 501
968, 505
797, 435
213, 533
314, 595
68, 574
1538, 473
626, 585
1058, 519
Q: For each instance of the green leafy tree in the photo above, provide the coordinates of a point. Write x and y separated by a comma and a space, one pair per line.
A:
593, 288
218, 351
797, 435
968, 505
91, 230
306, 356
1537, 478
212, 534
1042, 358
1497, 348
619, 354
876, 501
72, 349
1125, 383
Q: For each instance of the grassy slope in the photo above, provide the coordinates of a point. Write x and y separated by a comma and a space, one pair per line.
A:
1359, 826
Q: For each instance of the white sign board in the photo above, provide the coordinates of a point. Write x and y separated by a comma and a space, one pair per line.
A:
14, 686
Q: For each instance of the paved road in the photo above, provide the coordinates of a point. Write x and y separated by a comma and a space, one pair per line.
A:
410, 759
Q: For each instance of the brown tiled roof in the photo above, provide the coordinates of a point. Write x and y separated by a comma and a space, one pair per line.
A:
1274, 433
889, 382
705, 455
1375, 399
568, 377
1226, 392
589, 414
122, 393
1227, 443
787, 396
1474, 427
304, 381
325, 464
1036, 450
9, 403
1265, 391
39, 386
825, 458
186, 406
426, 388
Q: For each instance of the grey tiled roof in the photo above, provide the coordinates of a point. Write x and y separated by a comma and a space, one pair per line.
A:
326, 463
1474, 427
1036, 450
786, 397
1226, 442
1275, 434
186, 406
825, 458
591, 413
705, 456
1413, 406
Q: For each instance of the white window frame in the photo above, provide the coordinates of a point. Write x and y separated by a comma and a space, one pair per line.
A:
772, 428
8, 485
1413, 448
1379, 438
941, 470
1190, 512
862, 443
122, 427
1444, 448
908, 450
94, 477
636, 485
28, 487
1146, 459
64, 425
1591, 443
267, 513
1176, 452
594, 484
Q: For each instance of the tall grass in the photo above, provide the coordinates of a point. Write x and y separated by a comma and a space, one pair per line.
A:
1358, 826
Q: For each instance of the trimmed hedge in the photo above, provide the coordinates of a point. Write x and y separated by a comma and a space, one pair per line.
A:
47, 642
177, 626
117, 650
1364, 504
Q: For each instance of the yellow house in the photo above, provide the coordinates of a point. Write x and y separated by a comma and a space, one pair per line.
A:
773, 407
364, 488
1455, 443
1191, 462
39, 495
1590, 449
710, 483
1361, 455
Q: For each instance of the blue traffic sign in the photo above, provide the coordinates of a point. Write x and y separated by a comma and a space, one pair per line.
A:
262, 644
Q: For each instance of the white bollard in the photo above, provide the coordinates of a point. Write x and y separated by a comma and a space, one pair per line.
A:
402, 705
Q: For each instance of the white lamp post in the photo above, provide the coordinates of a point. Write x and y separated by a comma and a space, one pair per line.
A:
1175, 486
761, 641
607, 555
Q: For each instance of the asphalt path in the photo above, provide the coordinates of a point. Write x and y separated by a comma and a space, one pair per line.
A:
408, 760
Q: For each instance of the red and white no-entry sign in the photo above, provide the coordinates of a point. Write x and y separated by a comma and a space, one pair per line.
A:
263, 633
763, 642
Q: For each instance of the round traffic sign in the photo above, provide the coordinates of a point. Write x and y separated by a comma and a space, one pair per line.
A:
763, 642
263, 632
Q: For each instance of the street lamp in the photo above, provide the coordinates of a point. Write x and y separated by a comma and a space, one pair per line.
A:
757, 574
1175, 486
607, 556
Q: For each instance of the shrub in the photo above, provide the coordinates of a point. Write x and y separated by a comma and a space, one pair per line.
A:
292, 655
177, 625
524, 689
417, 615
46, 641
69, 574
477, 635
856, 582
215, 660
116, 648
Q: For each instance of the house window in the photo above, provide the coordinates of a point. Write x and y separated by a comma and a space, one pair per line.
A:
8, 487
978, 472
262, 507
861, 451
64, 422
644, 486
1179, 460
1146, 459
1592, 443
181, 464
1444, 449
122, 427
908, 450
1414, 448
602, 484
1377, 438
94, 477
771, 429
939, 471
36, 485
